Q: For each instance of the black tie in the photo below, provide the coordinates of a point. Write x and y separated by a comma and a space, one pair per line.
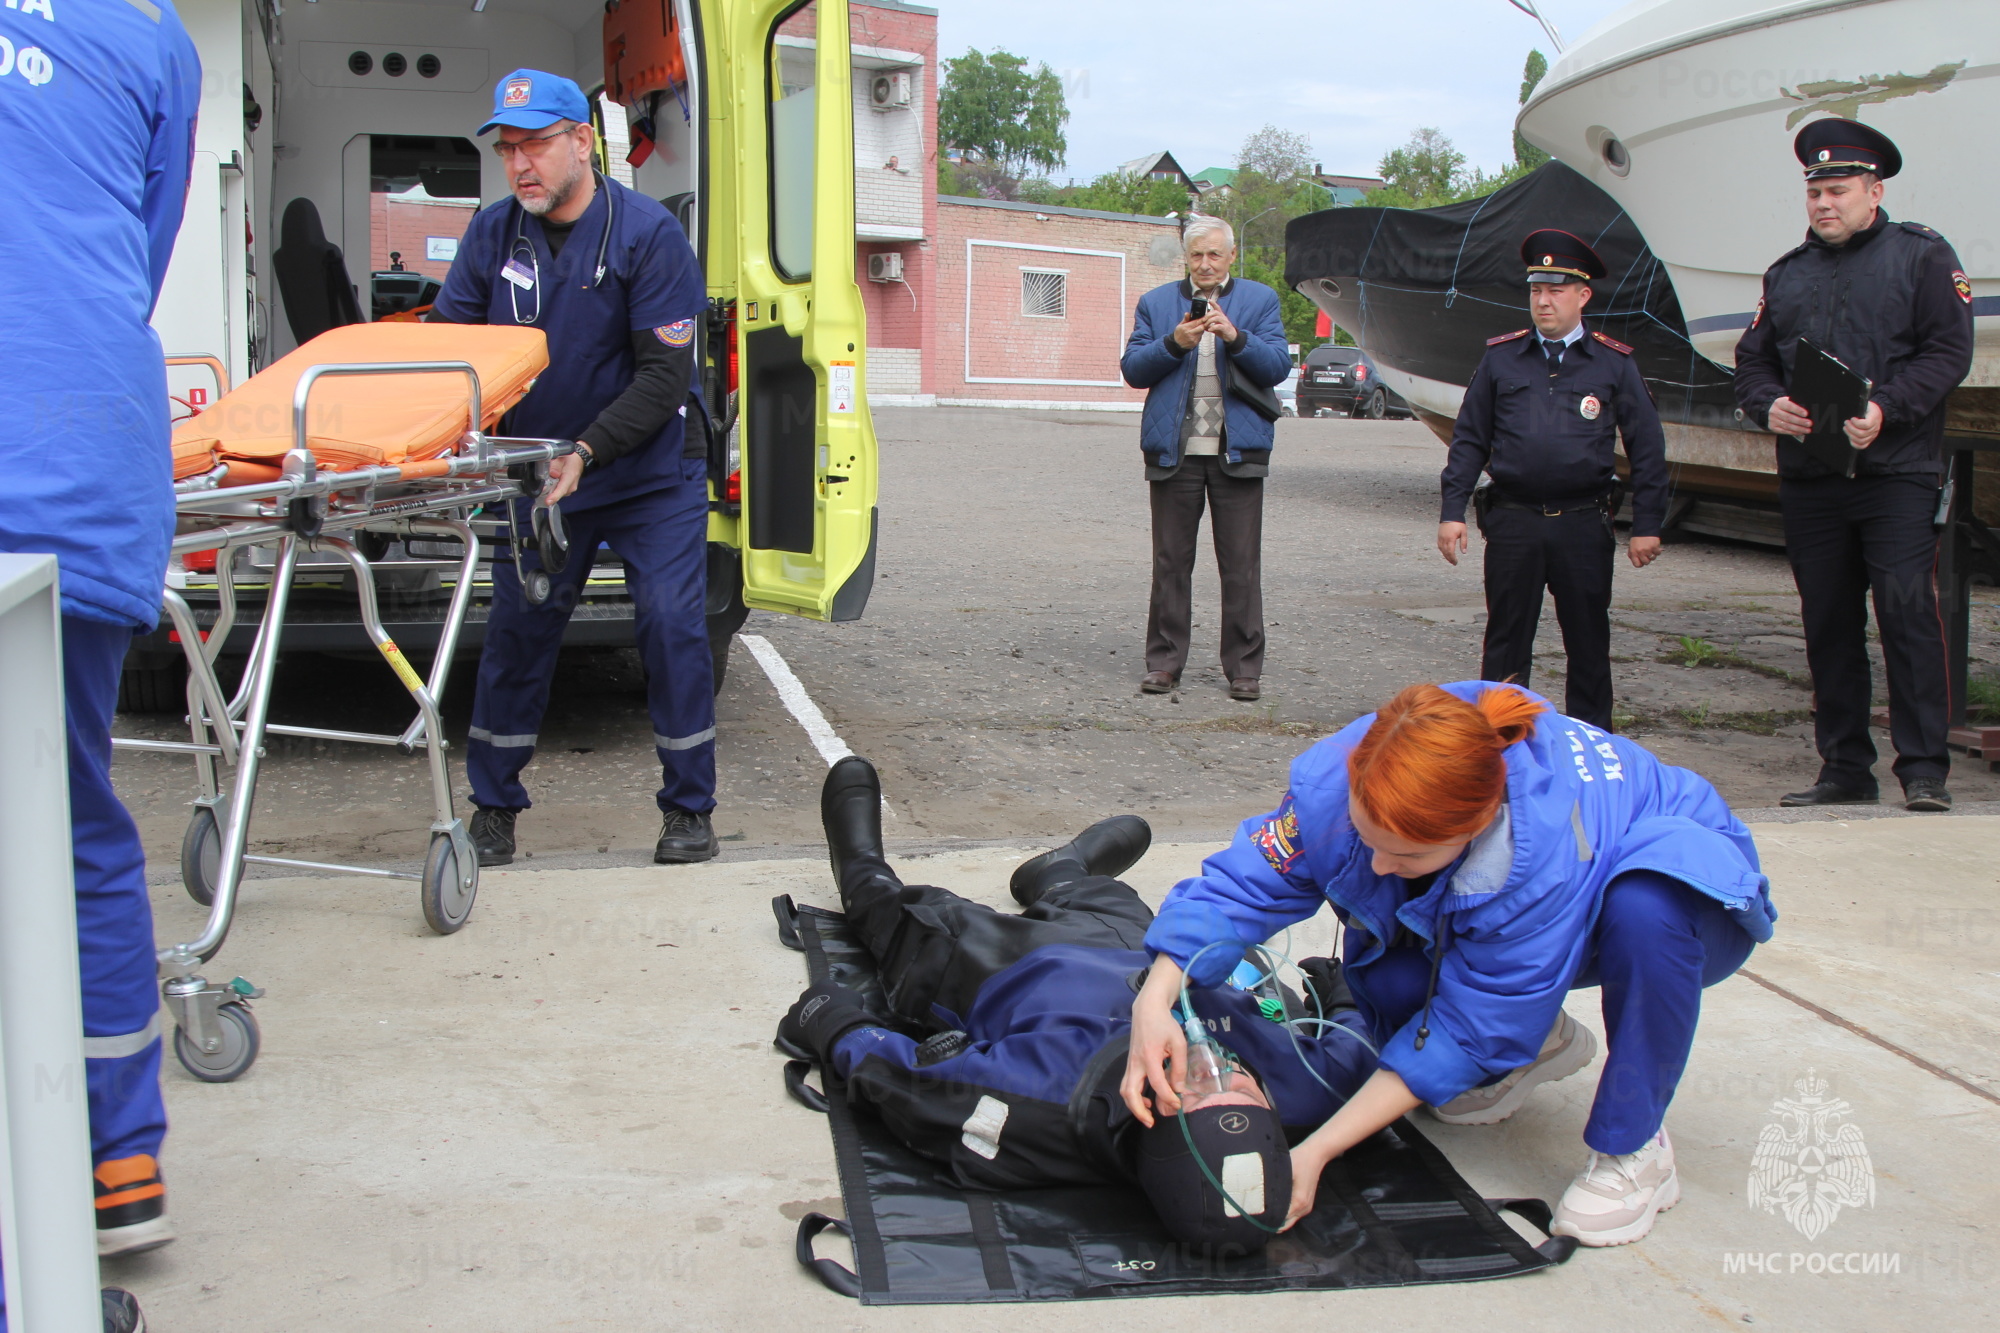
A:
1554, 351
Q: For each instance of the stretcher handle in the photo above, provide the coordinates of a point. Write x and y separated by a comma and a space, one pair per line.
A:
314, 374
214, 363
802, 1092
1537, 1213
832, 1275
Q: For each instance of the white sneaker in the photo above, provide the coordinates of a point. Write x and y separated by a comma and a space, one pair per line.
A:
1568, 1048
1615, 1200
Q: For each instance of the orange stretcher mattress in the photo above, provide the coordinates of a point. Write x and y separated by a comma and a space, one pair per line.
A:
356, 421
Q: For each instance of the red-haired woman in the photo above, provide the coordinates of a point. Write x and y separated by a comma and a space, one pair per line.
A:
1486, 856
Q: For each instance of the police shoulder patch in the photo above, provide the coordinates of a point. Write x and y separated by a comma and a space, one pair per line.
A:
1962, 285
677, 334
1612, 343
1508, 337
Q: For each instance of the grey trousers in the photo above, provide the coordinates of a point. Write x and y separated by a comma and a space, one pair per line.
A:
1236, 527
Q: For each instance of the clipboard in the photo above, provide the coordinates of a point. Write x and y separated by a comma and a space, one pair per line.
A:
1830, 393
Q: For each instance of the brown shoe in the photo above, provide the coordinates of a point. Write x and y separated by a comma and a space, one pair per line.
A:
1156, 682
1246, 689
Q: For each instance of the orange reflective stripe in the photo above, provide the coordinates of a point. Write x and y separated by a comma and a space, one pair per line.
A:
127, 1171
152, 1191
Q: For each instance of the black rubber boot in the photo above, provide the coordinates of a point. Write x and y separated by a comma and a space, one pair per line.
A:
850, 810
1109, 847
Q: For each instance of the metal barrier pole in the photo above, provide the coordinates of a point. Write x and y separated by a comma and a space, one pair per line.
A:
48, 1237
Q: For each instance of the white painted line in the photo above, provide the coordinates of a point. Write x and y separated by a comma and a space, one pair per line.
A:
792, 692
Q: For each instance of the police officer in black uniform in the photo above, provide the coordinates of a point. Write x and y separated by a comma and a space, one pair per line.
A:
1892, 303
1541, 417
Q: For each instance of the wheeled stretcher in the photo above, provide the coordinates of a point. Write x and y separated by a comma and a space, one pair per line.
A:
367, 432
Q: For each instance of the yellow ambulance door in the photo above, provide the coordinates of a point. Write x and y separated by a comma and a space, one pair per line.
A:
806, 444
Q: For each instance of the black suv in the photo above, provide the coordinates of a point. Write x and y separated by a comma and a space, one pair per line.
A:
1344, 380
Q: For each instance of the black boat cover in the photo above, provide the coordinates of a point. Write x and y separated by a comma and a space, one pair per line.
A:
1392, 1212
1422, 289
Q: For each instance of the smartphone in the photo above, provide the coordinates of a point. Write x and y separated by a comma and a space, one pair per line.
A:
1199, 310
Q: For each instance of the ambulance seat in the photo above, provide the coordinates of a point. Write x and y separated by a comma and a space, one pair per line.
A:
312, 275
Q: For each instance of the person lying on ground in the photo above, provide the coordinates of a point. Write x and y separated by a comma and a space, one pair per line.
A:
1485, 856
999, 1039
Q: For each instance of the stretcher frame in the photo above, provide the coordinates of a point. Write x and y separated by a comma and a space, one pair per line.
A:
310, 509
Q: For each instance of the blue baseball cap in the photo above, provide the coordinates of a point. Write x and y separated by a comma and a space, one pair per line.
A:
530, 99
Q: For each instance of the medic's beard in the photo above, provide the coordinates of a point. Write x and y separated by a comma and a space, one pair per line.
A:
554, 194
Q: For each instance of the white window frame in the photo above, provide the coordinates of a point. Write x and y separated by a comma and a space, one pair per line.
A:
1116, 349
1062, 273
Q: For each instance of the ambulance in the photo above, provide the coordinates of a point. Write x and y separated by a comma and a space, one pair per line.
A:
336, 167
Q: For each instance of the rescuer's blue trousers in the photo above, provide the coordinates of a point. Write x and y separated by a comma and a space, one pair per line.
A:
114, 917
1656, 946
662, 536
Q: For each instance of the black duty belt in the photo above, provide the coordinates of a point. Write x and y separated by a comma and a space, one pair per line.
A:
1606, 503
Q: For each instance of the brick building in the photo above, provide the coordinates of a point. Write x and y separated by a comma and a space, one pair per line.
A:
414, 228
979, 300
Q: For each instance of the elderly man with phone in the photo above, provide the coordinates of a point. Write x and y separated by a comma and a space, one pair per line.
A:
1208, 350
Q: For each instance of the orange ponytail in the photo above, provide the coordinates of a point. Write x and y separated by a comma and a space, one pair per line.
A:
1430, 768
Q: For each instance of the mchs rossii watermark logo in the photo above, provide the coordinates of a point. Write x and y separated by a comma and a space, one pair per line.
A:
1811, 1163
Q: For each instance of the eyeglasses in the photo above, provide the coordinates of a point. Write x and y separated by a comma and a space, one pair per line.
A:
505, 151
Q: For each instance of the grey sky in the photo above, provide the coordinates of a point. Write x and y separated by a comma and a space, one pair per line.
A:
1198, 76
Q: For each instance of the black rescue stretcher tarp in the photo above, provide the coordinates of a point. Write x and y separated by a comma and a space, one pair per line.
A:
1391, 1212
1423, 289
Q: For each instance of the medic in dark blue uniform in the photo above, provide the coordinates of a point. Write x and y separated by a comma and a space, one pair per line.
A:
611, 278
1542, 417
97, 110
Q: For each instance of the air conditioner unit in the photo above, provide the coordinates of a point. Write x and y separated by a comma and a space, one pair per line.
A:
888, 91
885, 267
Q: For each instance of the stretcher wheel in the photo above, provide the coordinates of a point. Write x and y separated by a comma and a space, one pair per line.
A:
447, 900
240, 1042
201, 856
535, 586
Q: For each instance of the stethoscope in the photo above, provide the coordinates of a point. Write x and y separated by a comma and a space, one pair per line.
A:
534, 265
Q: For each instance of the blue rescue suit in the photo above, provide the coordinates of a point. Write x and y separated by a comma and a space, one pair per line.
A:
649, 506
1606, 867
97, 108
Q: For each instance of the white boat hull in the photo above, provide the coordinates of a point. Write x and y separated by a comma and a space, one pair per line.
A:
1704, 97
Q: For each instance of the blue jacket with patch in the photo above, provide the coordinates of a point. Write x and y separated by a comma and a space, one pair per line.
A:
1033, 1100
1516, 910
1154, 362
97, 109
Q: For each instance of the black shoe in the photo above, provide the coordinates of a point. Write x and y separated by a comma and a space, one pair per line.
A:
121, 1311
1109, 847
493, 835
1830, 793
131, 1205
685, 837
1927, 796
850, 810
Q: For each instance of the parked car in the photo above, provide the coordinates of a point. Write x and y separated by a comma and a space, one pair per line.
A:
1344, 380
1288, 393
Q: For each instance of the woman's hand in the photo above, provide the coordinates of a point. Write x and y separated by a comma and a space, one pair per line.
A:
1308, 1161
1157, 1044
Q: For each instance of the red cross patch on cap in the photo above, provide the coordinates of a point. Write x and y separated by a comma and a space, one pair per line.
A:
518, 91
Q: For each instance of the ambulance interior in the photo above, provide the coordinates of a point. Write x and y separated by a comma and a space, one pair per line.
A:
350, 127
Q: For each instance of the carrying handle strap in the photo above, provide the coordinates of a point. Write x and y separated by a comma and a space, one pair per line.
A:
806, 1095
832, 1275
787, 912
1556, 1249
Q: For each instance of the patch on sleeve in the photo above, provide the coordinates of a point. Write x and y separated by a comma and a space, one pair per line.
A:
1759, 315
1278, 838
982, 1128
1962, 285
677, 334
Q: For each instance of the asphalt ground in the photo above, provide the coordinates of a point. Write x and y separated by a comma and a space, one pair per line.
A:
994, 676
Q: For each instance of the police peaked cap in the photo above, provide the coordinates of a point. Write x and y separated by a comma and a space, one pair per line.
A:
1557, 256
1845, 148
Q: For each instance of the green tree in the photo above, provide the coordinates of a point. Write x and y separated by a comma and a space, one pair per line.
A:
1274, 184
1427, 171
1113, 192
1525, 153
1004, 119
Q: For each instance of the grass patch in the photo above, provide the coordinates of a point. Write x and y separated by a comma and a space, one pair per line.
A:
1692, 652
1982, 699
1701, 717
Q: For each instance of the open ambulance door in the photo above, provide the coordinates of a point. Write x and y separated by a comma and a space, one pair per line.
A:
805, 443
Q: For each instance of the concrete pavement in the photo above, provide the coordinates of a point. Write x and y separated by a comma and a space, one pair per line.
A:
568, 1116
